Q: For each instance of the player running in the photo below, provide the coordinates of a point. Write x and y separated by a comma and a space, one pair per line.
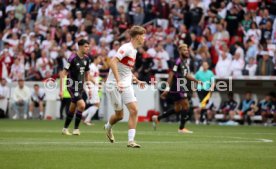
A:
77, 71
92, 91
119, 85
177, 93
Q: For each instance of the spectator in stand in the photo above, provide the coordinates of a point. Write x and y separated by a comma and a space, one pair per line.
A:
237, 65
251, 67
224, 64
17, 70
43, 65
4, 95
161, 59
21, 96
252, 50
265, 66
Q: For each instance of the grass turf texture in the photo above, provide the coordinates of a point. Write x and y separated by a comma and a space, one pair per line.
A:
40, 145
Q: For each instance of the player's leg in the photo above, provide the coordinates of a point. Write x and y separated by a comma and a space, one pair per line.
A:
197, 115
130, 101
264, 117
78, 117
91, 111
31, 109
25, 109
69, 117
116, 102
249, 115
184, 115
132, 123
41, 109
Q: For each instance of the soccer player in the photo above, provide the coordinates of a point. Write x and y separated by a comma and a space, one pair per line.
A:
77, 71
91, 90
119, 85
179, 97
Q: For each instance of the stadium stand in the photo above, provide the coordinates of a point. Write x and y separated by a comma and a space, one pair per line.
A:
37, 36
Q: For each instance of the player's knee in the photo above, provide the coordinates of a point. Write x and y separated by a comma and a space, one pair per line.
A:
133, 111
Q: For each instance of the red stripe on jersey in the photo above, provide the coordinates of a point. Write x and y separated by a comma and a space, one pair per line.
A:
128, 61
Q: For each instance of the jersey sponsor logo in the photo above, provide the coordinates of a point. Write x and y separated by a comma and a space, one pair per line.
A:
82, 70
128, 61
78, 64
85, 62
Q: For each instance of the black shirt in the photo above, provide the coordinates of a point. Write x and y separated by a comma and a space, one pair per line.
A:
77, 67
180, 71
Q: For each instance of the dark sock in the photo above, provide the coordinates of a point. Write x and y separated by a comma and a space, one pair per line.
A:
78, 119
166, 114
68, 119
183, 118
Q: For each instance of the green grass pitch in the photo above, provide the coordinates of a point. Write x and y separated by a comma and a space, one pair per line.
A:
40, 145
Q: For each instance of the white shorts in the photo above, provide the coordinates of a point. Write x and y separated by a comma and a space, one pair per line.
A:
95, 95
118, 99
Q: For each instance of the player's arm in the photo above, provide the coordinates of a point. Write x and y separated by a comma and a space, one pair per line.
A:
140, 83
169, 83
114, 67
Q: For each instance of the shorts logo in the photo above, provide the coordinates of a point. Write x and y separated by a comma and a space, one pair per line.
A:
76, 94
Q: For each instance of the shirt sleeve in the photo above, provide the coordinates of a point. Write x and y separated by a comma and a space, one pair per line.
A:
122, 52
87, 64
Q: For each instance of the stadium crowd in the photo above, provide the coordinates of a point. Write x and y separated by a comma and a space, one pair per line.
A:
235, 37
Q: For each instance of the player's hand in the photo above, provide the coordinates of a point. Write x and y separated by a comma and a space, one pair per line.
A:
60, 95
164, 95
120, 86
141, 84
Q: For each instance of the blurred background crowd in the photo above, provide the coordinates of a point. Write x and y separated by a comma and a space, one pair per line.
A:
235, 37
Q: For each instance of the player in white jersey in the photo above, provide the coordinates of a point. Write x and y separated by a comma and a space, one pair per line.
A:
93, 100
119, 85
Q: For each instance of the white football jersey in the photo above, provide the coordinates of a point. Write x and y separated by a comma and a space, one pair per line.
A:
127, 56
94, 72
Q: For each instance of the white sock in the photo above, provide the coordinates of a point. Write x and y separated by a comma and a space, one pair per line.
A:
131, 134
91, 112
30, 114
108, 125
41, 113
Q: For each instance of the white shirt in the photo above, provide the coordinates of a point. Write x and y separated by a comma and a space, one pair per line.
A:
127, 56
160, 61
4, 91
236, 67
40, 96
94, 72
223, 68
17, 71
251, 69
21, 94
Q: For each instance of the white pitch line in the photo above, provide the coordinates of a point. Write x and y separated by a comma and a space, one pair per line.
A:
145, 142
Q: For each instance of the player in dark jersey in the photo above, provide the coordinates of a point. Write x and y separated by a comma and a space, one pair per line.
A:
177, 92
77, 72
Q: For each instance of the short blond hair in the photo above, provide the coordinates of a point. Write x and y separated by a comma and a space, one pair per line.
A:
136, 30
183, 45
